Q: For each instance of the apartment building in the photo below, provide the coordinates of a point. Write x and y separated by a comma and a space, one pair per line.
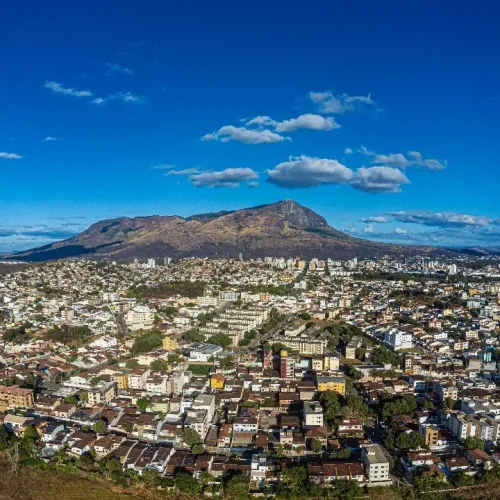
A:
376, 463
312, 414
15, 397
336, 384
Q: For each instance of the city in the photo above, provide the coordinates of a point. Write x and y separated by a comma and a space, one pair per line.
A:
272, 376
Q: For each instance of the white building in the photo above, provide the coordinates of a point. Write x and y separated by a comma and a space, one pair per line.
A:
376, 463
139, 318
398, 339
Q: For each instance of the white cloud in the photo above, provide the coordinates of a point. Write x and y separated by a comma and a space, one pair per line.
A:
58, 88
244, 135
368, 229
329, 103
230, 177
162, 166
186, 171
399, 160
118, 68
400, 230
126, 97
306, 171
50, 139
378, 219
379, 180
348, 151
9, 156
307, 121
253, 184
441, 219
262, 121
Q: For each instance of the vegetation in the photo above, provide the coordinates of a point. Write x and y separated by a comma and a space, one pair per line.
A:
199, 369
147, 342
66, 334
220, 339
190, 289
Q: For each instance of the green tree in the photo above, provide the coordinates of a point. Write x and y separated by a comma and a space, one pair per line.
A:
316, 446
72, 400
142, 404
197, 448
237, 487
191, 437
463, 479
186, 483
410, 440
294, 481
31, 433
220, 339
94, 381
473, 443
347, 490
448, 404
159, 365
100, 427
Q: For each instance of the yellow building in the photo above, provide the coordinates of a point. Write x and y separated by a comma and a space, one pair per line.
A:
170, 343
217, 381
15, 397
121, 380
332, 362
431, 435
336, 384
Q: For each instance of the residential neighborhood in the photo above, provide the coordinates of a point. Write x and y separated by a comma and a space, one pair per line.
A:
267, 376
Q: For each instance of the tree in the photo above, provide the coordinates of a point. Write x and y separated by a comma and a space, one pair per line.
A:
473, 443
31, 433
72, 400
197, 448
294, 481
463, 479
191, 437
94, 381
410, 440
193, 335
237, 487
227, 362
100, 427
159, 365
220, 339
316, 445
186, 483
305, 316
147, 342
448, 404
142, 404
347, 490
132, 363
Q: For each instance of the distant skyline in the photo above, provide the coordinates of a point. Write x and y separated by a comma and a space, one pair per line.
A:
381, 117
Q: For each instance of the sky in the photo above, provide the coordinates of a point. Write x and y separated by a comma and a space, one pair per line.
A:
380, 116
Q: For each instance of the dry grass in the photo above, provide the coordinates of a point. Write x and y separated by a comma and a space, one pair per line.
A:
36, 484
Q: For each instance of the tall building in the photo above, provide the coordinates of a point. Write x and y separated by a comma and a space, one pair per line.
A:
151, 263
287, 365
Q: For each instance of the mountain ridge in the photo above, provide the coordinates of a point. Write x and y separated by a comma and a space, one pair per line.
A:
283, 228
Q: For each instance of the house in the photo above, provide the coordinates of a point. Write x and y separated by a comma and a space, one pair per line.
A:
80, 442
479, 458
64, 410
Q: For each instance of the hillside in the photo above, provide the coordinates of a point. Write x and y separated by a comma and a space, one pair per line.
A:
285, 228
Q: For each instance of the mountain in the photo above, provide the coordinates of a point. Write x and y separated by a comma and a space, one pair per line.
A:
284, 229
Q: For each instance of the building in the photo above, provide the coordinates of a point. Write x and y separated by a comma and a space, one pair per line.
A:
430, 434
376, 463
336, 384
170, 343
139, 318
102, 394
204, 352
312, 414
287, 365
398, 339
13, 396
302, 345
447, 391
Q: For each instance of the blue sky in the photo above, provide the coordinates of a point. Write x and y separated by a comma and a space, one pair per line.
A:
381, 116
